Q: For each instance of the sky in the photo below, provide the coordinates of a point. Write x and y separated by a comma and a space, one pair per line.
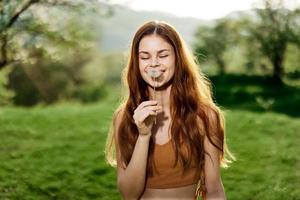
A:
203, 9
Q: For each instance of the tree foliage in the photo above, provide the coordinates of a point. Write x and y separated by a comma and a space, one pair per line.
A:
213, 41
47, 43
263, 35
276, 27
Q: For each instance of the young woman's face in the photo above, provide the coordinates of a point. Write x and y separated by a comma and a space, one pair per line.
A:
156, 54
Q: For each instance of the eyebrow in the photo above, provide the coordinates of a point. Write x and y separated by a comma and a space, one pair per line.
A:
160, 51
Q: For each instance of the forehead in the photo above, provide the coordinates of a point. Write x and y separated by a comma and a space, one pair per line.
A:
153, 43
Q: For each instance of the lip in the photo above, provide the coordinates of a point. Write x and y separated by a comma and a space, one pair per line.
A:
160, 70
160, 75
153, 73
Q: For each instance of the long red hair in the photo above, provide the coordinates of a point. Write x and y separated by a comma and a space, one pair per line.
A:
190, 101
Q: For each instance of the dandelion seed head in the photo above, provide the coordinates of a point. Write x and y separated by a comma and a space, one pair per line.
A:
154, 73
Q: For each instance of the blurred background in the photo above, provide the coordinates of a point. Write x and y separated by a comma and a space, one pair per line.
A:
60, 81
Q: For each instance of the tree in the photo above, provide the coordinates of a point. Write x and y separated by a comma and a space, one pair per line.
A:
213, 41
47, 43
275, 27
21, 16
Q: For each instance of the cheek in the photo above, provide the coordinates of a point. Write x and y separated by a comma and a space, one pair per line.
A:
142, 67
172, 71
170, 61
171, 65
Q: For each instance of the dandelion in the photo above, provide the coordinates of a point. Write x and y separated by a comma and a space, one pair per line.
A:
154, 73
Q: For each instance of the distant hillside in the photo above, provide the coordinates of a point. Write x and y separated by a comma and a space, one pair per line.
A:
117, 31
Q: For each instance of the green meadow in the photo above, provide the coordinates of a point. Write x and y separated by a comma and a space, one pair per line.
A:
57, 152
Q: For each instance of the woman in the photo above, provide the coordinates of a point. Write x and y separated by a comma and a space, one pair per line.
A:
168, 135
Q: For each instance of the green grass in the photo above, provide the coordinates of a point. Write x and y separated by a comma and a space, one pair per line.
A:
268, 162
56, 152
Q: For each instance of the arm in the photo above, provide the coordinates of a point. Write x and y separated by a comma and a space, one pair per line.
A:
131, 178
213, 182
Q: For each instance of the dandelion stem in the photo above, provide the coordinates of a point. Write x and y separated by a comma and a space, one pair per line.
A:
154, 96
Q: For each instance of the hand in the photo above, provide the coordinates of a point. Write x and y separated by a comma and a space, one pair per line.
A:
144, 116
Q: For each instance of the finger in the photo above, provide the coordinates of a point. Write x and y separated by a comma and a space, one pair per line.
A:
147, 103
153, 108
151, 111
146, 114
142, 115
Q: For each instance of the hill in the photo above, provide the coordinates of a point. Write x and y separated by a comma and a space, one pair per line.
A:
117, 31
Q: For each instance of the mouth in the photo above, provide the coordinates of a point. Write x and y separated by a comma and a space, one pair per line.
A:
155, 73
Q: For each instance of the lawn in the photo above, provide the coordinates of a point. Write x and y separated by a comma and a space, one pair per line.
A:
57, 152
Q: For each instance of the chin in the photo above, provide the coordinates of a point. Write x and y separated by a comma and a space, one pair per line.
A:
152, 84
160, 84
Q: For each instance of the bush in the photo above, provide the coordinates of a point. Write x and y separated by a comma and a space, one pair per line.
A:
90, 93
6, 94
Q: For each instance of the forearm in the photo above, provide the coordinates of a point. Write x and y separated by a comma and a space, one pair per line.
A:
217, 194
131, 184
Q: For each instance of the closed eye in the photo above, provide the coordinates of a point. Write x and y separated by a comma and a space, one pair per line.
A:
163, 56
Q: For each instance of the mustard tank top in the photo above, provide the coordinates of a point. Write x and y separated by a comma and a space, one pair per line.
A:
165, 175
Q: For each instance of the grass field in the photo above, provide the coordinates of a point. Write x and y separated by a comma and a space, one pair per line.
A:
57, 152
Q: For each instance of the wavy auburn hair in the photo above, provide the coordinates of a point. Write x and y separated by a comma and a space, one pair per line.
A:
190, 101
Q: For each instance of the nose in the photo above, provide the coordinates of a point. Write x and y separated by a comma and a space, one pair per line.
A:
154, 62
